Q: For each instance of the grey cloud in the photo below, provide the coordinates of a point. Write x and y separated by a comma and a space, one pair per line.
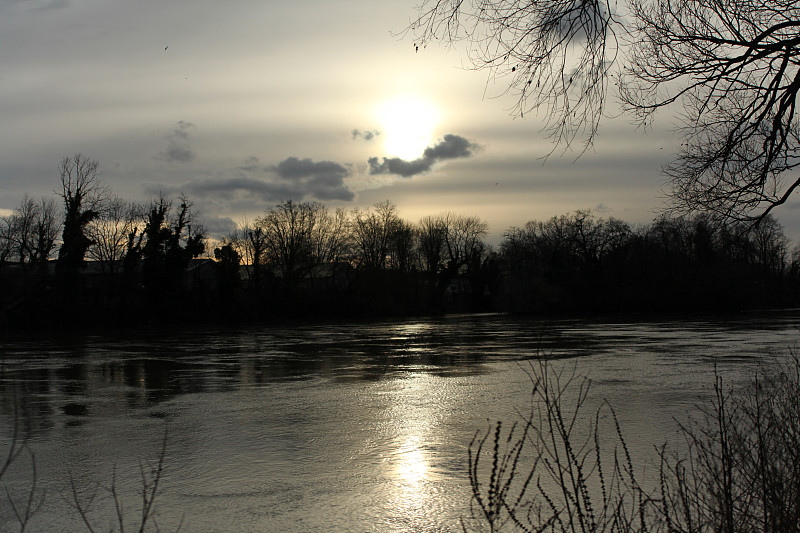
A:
292, 167
228, 188
399, 167
44, 5
451, 147
178, 149
327, 188
180, 130
176, 153
251, 164
323, 180
292, 179
156, 190
367, 135
218, 226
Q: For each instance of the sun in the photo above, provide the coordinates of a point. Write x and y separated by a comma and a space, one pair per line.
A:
406, 124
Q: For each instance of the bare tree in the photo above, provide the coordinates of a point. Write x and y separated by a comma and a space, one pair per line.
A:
20, 231
250, 241
372, 235
48, 222
298, 235
553, 56
463, 240
403, 246
110, 232
450, 242
771, 245
328, 235
731, 68
432, 234
6, 238
594, 238
83, 193
29, 234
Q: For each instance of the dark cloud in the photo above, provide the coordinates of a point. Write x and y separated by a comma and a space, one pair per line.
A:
366, 135
451, 147
291, 179
399, 167
178, 149
323, 180
218, 227
293, 168
227, 189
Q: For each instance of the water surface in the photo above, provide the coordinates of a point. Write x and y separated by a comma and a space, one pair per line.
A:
333, 427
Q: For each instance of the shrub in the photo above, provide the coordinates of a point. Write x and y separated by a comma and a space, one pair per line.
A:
742, 469
550, 472
739, 471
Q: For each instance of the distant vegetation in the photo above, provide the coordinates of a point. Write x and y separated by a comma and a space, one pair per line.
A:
100, 260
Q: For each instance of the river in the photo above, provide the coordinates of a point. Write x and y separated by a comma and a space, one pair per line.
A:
331, 427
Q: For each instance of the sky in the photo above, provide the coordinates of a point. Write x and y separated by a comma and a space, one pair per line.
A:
242, 105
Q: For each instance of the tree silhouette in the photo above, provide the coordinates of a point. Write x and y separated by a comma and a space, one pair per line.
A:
169, 245
82, 193
28, 235
731, 69
228, 279
372, 233
117, 222
287, 231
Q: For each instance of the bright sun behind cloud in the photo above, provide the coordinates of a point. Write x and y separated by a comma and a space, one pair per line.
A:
406, 124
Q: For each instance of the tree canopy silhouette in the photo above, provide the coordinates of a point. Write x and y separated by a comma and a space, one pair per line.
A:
82, 193
730, 67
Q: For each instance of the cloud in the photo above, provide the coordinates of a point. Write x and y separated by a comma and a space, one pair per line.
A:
399, 167
157, 190
366, 135
291, 179
218, 227
41, 5
294, 168
450, 147
178, 149
228, 189
251, 164
323, 180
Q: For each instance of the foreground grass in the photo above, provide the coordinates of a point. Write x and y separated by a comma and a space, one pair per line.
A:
87, 503
738, 471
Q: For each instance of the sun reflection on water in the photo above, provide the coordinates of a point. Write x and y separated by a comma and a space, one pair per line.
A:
415, 408
412, 465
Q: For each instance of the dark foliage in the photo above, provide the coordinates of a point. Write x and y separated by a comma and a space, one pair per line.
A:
578, 263
302, 260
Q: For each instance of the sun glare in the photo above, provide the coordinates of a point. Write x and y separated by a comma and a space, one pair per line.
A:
406, 124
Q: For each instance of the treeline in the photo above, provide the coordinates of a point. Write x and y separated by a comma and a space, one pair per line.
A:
580, 263
97, 260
